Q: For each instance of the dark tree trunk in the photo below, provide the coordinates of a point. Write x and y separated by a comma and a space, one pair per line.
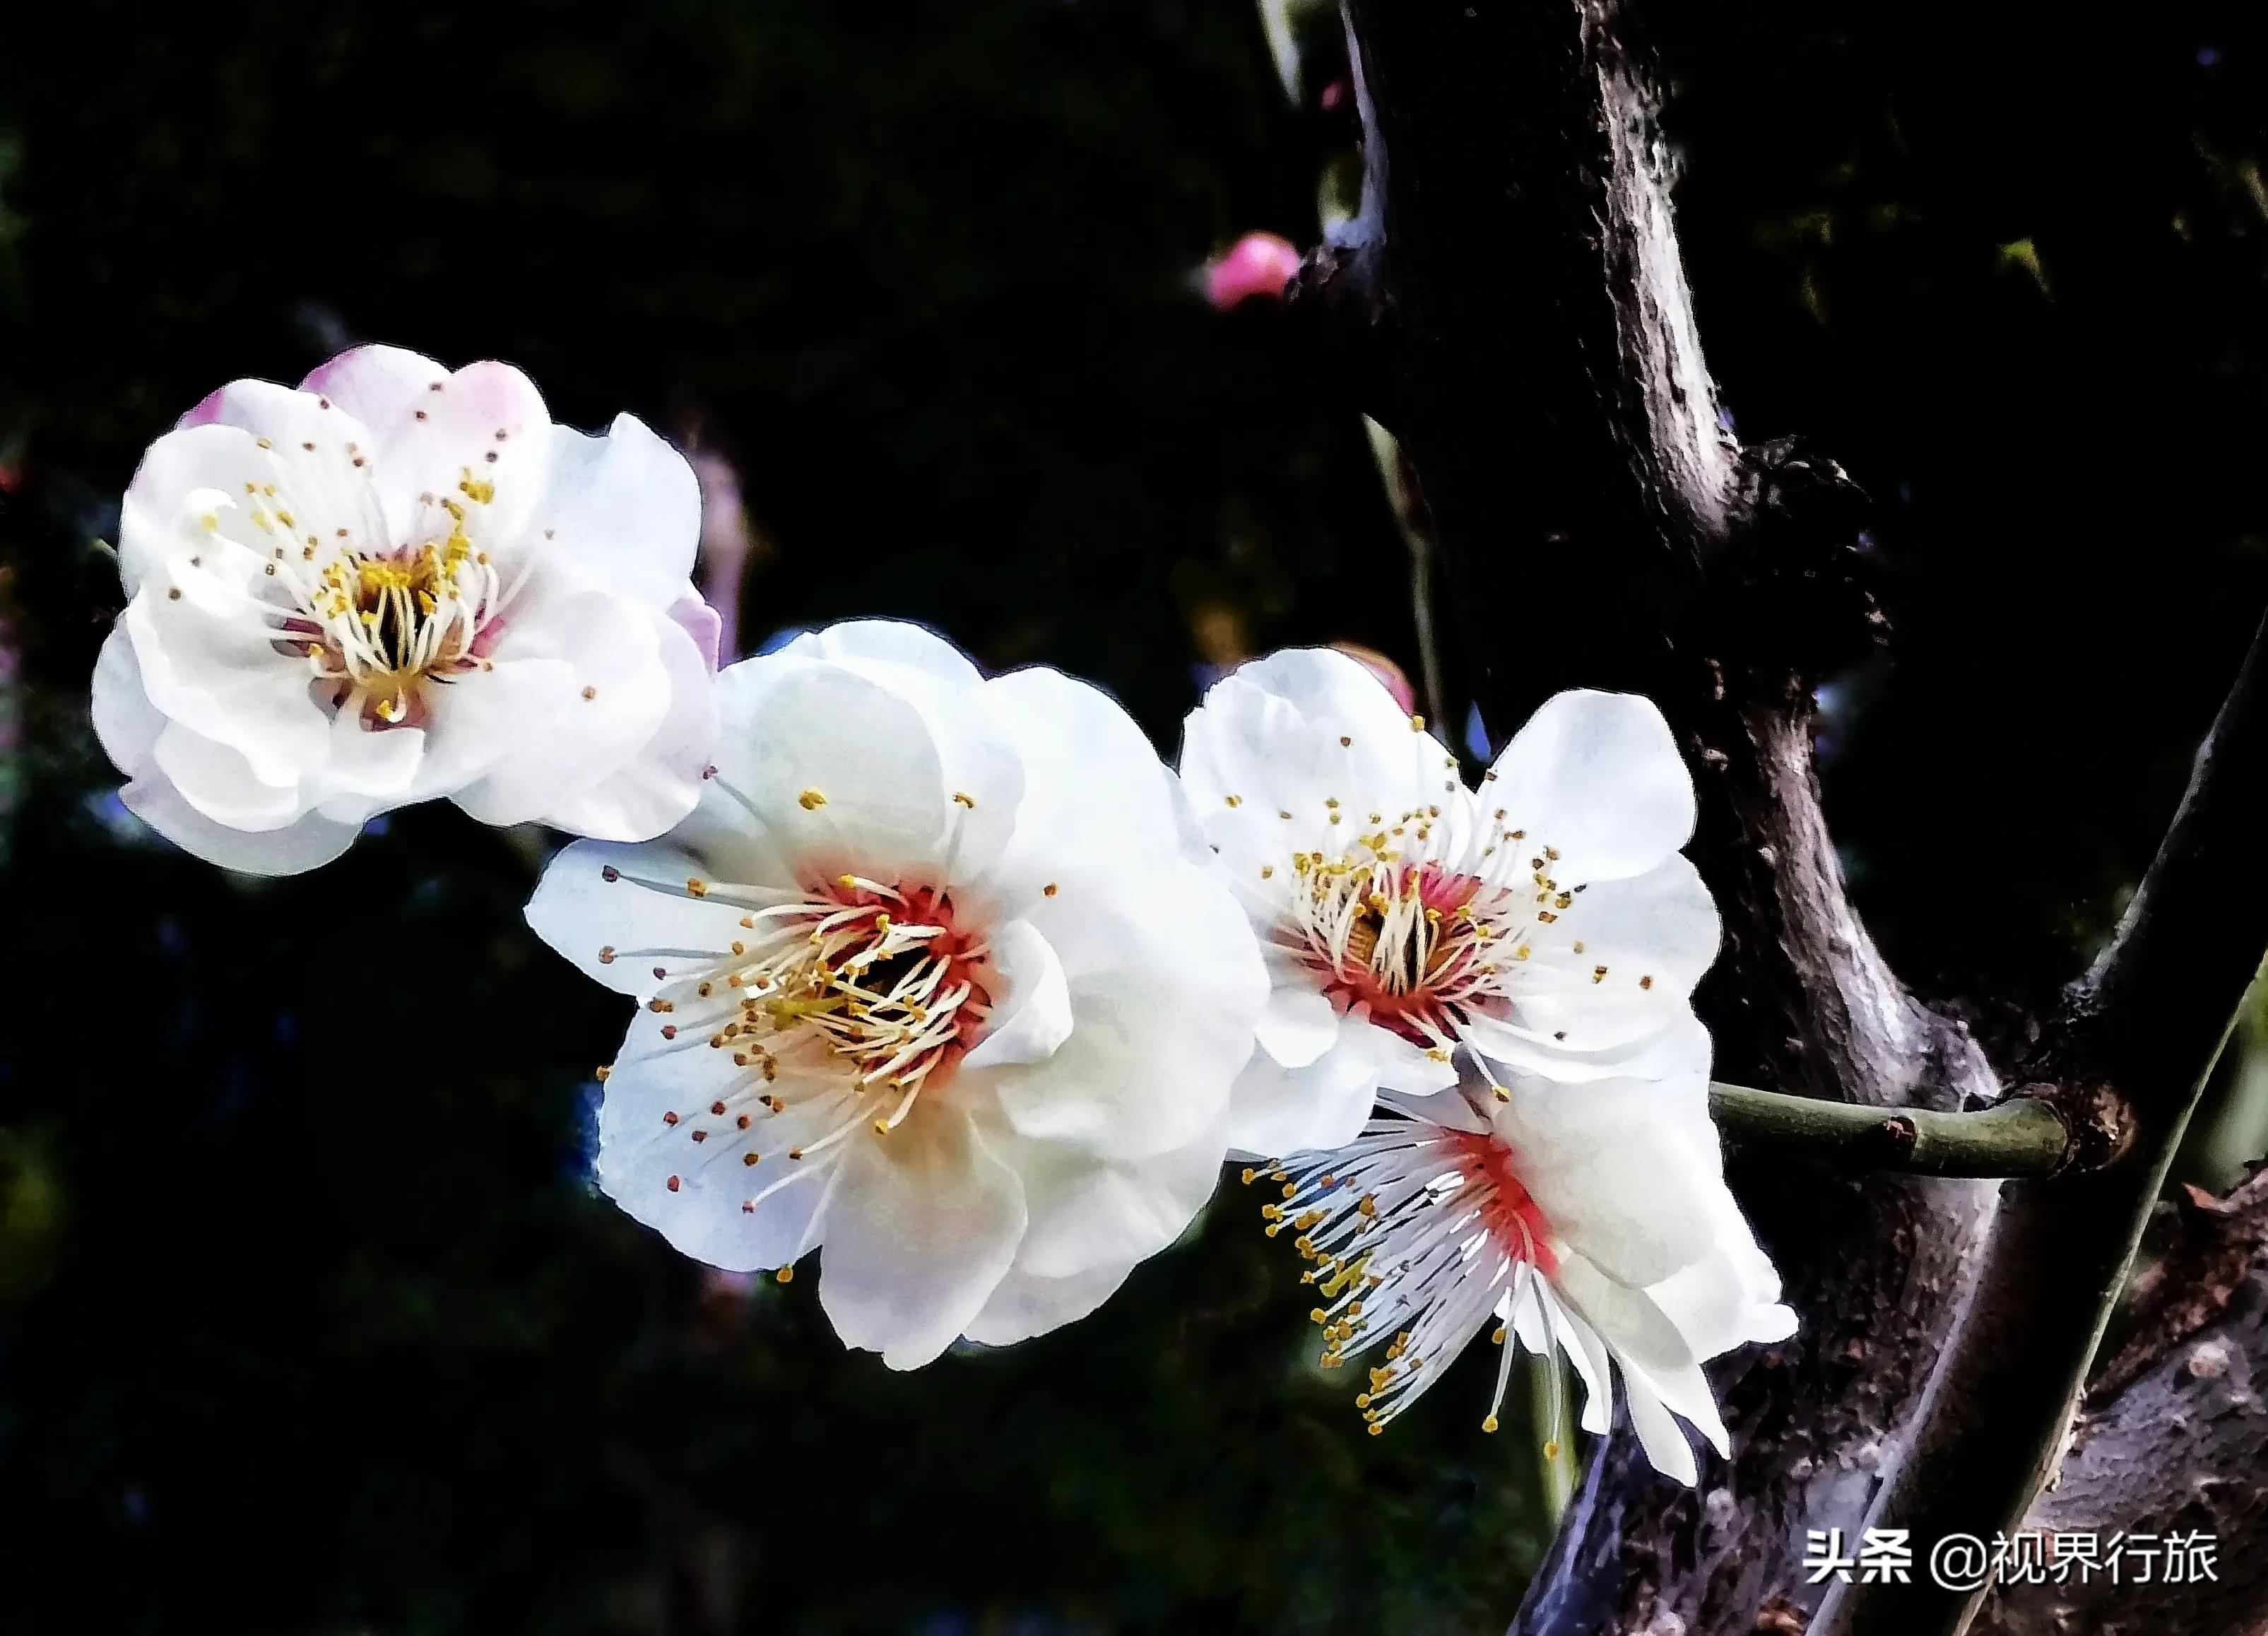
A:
2176, 1442
1512, 305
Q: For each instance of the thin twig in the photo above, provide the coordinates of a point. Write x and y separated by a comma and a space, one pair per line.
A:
2020, 1137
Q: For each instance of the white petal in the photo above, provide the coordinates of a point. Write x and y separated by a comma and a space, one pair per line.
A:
1597, 776
1026, 1304
838, 773
1275, 1111
890, 642
1166, 984
209, 662
1664, 1440
249, 463
643, 1150
1628, 1171
1513, 1050
1645, 1342
126, 723
626, 507
1088, 771
1406, 1065
661, 782
1032, 1014
1588, 1353
369, 769
1651, 936
222, 785
1288, 733
580, 912
606, 691
481, 720
1088, 1214
925, 1226
1298, 1025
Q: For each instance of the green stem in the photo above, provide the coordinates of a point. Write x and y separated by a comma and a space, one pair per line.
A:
2020, 1137
1554, 1432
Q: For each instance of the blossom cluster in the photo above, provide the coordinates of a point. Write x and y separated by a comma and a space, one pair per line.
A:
948, 977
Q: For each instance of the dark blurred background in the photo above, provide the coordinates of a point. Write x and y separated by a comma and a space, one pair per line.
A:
308, 1320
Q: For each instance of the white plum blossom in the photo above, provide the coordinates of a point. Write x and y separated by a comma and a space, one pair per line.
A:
393, 583
1592, 1220
938, 979
1546, 921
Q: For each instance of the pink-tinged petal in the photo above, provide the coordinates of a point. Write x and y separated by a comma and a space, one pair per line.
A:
1257, 265
379, 385
1390, 675
482, 440
702, 623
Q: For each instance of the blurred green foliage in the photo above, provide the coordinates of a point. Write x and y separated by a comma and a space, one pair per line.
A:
308, 1322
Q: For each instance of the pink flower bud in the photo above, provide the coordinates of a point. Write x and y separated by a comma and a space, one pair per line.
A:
1258, 264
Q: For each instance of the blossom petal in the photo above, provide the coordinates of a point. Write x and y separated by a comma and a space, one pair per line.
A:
1275, 1110
1628, 1171
606, 691
1652, 1354
1026, 1304
1615, 973
1032, 1015
221, 783
977, 759
616, 931
209, 661
1298, 1025
925, 1226
889, 642
625, 507
1300, 729
486, 424
1087, 1215
822, 766
1165, 984
660, 782
697, 1194
379, 385
1085, 763
1598, 776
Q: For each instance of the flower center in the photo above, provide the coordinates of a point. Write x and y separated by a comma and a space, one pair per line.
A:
381, 624
1410, 942
1414, 1228
860, 986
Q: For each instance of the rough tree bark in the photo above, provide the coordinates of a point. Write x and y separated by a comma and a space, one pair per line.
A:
2175, 1439
1515, 308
